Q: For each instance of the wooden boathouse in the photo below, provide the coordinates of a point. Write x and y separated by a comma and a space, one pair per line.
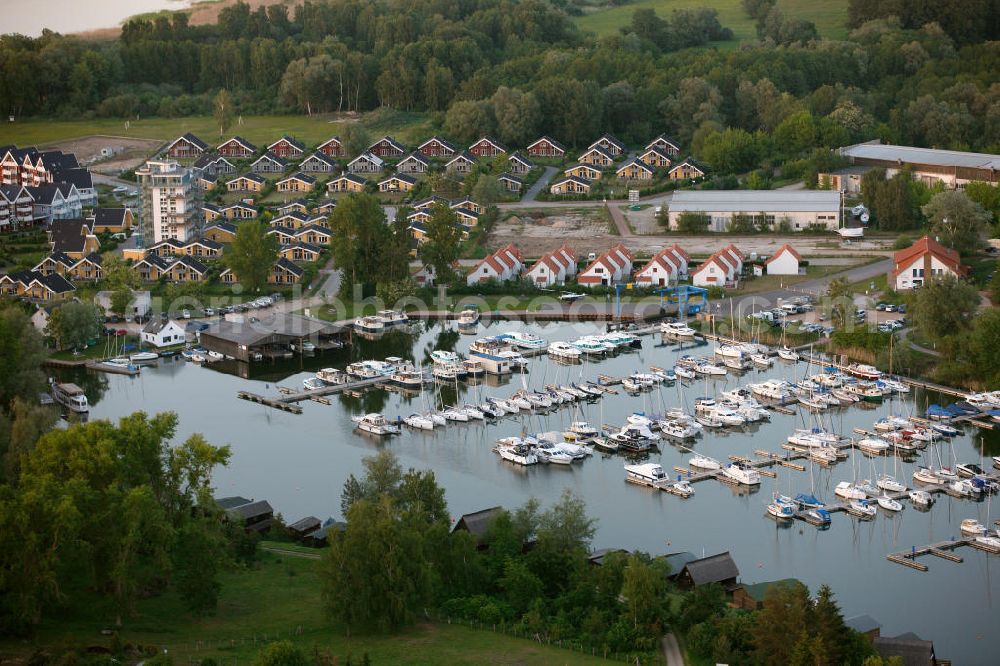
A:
250, 339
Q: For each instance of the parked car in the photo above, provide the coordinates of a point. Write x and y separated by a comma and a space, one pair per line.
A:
890, 307
901, 308
880, 307
186, 314
209, 312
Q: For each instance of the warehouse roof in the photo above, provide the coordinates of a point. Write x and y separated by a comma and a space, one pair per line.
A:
755, 201
913, 155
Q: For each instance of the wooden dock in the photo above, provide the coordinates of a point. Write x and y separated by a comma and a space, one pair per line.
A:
269, 402
100, 366
942, 549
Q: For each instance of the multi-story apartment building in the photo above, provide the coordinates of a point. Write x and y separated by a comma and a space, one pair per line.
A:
170, 206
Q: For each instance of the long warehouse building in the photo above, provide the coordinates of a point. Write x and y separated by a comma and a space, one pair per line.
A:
800, 209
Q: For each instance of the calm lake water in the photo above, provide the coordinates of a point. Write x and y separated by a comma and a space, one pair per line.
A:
66, 16
299, 464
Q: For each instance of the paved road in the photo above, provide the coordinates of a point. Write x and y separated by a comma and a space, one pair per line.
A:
618, 217
538, 185
672, 651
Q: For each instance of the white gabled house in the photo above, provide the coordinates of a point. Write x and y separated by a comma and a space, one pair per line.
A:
553, 268
667, 266
501, 266
610, 268
783, 262
158, 333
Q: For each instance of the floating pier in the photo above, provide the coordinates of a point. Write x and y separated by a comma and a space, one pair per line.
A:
269, 402
943, 549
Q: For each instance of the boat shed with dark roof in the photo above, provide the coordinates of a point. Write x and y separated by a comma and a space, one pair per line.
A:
719, 569
910, 648
477, 524
226, 503
245, 340
303, 527
255, 516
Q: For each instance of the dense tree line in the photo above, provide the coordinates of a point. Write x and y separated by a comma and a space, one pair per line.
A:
99, 511
520, 68
397, 562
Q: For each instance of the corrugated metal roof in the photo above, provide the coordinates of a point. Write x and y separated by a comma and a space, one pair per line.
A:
914, 155
755, 201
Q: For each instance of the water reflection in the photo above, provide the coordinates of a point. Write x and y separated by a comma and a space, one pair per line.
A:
299, 463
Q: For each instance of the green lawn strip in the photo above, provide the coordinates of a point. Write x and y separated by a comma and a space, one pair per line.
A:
407, 127
279, 600
830, 17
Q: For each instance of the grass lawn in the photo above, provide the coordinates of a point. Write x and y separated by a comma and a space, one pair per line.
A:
280, 600
829, 16
262, 130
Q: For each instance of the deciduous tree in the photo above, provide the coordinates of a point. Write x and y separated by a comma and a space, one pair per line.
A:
252, 254
958, 221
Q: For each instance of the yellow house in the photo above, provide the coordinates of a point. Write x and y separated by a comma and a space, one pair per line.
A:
57, 262
597, 156
211, 212
49, 288
584, 171
297, 182
634, 170
313, 235
285, 272
88, 269
655, 158
292, 220
151, 268
686, 170
239, 211
399, 182
113, 220
250, 182
186, 269
571, 185
221, 232
73, 238
300, 252
347, 182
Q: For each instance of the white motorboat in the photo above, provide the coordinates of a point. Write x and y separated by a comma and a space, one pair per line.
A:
445, 357
370, 324
812, 403
921, 497
963, 488
861, 508
393, 318
862, 371
738, 363
622, 340
313, 383
972, 527
374, 424
684, 373
706, 368
786, 354
646, 473
741, 474
733, 351
928, 475
526, 340
874, 445
369, 369
468, 317
888, 503
70, 396
548, 452
419, 421
590, 346
849, 491
946, 473
895, 386
763, 360
583, 430
891, 423
513, 449
504, 406
676, 429
564, 350
772, 389
844, 396
332, 376
969, 470
728, 417
888, 483
944, 429
823, 454
676, 329
708, 421
704, 462
143, 357
988, 542
682, 488
631, 385
780, 510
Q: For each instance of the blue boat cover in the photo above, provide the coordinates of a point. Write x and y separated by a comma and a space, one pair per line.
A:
937, 410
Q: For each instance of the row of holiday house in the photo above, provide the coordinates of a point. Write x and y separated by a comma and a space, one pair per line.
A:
669, 266
190, 146
37, 187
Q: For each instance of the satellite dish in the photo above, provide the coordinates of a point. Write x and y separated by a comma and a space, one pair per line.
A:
865, 217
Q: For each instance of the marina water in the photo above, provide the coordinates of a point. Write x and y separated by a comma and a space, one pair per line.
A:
300, 462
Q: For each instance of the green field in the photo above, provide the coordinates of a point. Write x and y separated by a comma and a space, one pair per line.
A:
407, 127
280, 600
830, 16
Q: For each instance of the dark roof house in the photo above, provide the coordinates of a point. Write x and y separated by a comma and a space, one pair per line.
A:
478, 523
713, 569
